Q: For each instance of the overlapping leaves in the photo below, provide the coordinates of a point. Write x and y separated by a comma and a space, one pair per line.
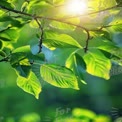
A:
63, 34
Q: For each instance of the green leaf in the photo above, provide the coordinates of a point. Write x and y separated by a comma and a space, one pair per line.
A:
54, 40
59, 76
62, 26
16, 58
1, 44
76, 63
101, 4
30, 85
24, 49
23, 70
97, 64
10, 35
6, 4
34, 8
3, 54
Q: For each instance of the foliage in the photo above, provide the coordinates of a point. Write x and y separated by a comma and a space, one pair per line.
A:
61, 47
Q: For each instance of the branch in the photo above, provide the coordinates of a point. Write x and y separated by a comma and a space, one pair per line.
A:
15, 11
87, 42
39, 17
42, 33
48, 18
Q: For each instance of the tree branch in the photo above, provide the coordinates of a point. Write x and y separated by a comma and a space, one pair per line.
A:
59, 20
42, 33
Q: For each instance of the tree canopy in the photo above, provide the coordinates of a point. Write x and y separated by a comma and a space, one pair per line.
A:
60, 47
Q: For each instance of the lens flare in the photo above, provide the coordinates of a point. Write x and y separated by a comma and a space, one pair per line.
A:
76, 7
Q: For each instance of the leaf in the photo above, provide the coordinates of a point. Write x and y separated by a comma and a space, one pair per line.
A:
97, 64
22, 49
59, 76
3, 54
117, 38
30, 85
101, 4
16, 58
6, 4
54, 40
10, 35
76, 63
34, 8
62, 26
1, 44
23, 70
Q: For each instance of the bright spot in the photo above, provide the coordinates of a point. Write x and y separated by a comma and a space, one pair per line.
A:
76, 7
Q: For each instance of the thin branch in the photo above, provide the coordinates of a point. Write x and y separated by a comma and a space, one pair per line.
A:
59, 20
48, 18
15, 11
87, 42
42, 33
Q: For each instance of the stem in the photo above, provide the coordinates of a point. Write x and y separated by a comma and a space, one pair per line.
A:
87, 42
42, 33
48, 18
59, 20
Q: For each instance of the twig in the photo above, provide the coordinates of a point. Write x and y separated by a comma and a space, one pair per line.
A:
87, 42
42, 33
59, 20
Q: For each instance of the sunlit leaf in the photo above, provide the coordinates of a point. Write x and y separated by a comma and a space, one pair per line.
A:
62, 26
30, 85
54, 40
97, 64
59, 76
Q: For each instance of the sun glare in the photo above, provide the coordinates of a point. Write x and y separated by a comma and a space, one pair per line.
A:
76, 7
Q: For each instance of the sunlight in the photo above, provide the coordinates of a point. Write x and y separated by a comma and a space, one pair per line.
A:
76, 7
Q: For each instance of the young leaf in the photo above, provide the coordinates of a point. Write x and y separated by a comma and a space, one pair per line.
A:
97, 64
30, 85
59, 76
54, 40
